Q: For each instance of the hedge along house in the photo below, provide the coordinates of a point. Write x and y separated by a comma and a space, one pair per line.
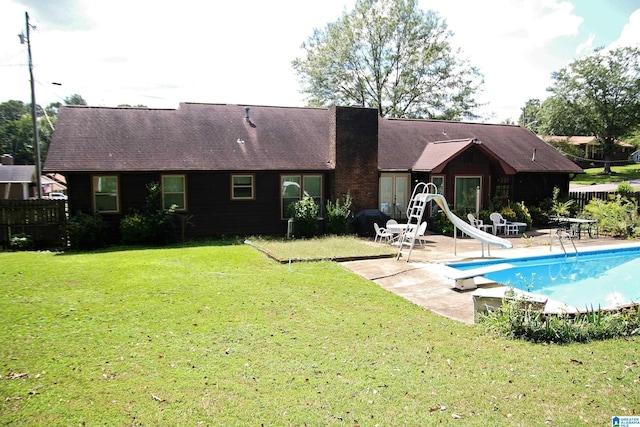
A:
236, 168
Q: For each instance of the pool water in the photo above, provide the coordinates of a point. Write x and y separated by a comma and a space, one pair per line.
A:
596, 278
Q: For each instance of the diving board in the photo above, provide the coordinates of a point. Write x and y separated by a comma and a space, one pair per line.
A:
465, 279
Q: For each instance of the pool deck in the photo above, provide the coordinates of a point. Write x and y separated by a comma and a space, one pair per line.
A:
422, 280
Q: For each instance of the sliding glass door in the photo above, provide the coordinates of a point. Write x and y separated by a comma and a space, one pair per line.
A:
394, 194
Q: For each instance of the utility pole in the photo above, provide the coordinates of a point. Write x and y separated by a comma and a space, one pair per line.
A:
34, 114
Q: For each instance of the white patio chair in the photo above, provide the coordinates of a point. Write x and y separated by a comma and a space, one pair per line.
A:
421, 230
500, 223
382, 234
478, 223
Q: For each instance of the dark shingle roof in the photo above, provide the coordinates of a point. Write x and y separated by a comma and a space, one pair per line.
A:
194, 137
403, 141
218, 137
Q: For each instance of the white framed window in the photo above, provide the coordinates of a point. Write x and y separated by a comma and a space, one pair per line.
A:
106, 193
295, 187
242, 187
174, 192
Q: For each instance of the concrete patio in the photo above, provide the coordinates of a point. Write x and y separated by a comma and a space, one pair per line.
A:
422, 280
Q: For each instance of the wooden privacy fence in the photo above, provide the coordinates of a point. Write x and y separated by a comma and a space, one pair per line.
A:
43, 220
583, 198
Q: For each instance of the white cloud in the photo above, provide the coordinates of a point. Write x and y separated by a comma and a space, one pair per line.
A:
630, 35
586, 46
509, 42
161, 52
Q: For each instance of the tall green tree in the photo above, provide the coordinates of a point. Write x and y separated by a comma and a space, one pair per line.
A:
529, 115
16, 131
75, 99
603, 90
556, 118
389, 55
16, 128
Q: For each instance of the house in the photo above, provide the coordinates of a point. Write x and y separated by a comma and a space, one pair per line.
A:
635, 156
591, 148
235, 169
17, 182
53, 183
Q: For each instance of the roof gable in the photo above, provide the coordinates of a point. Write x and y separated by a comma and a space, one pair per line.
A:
436, 155
402, 141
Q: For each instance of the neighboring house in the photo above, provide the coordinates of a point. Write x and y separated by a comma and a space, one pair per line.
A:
635, 156
236, 169
17, 182
53, 183
591, 148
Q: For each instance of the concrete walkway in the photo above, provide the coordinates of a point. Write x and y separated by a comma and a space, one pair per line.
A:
422, 282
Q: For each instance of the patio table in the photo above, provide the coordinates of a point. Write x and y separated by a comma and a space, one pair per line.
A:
514, 227
397, 230
578, 223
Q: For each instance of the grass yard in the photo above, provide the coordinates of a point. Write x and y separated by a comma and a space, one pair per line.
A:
225, 336
322, 248
618, 174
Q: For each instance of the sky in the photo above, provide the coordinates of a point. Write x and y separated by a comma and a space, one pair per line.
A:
159, 53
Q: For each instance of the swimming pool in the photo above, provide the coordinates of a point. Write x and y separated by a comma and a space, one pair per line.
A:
603, 278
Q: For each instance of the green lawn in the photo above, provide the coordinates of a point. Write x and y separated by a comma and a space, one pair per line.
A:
619, 173
322, 248
223, 335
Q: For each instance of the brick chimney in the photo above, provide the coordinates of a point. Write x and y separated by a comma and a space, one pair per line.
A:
354, 140
6, 160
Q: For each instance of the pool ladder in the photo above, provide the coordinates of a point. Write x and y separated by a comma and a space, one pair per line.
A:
562, 234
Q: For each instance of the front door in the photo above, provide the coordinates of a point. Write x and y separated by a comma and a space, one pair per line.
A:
394, 194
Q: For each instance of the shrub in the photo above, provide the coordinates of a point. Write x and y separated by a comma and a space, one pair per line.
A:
21, 242
338, 216
305, 218
154, 226
517, 320
135, 229
618, 216
538, 216
87, 231
442, 224
625, 187
559, 208
512, 211
522, 214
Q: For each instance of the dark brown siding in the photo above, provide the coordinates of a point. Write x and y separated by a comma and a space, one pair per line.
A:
354, 134
214, 213
531, 188
79, 192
